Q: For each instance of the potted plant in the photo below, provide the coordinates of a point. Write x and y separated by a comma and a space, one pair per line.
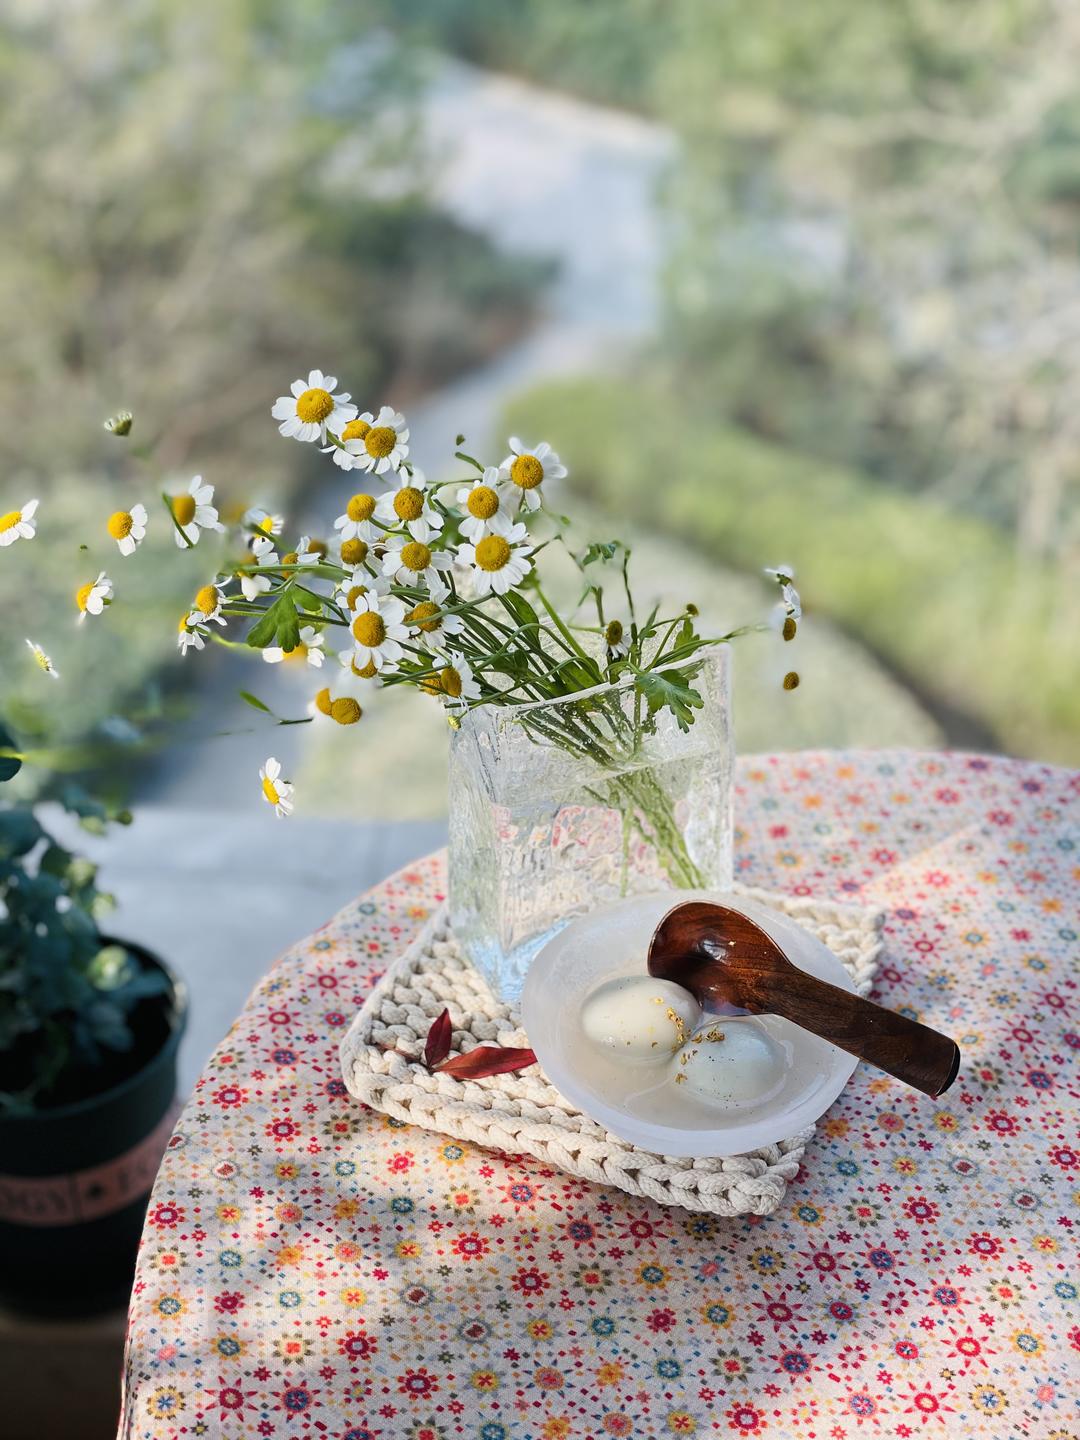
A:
89, 1029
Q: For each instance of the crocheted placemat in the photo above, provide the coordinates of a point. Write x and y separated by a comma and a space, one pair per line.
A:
524, 1114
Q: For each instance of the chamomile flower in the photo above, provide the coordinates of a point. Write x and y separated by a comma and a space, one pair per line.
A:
312, 408
307, 552
42, 660
456, 684
615, 639
18, 524
128, 528
263, 553
194, 512
498, 562
354, 670
356, 524
433, 624
359, 582
309, 649
529, 468
276, 791
790, 600
486, 506
207, 605
382, 446
413, 562
189, 638
409, 505
258, 518
377, 630
92, 598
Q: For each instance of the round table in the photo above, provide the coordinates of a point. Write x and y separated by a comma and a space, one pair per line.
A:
312, 1269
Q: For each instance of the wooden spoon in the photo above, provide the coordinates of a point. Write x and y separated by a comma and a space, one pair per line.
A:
721, 956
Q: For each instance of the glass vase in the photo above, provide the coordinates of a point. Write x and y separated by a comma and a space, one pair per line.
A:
562, 806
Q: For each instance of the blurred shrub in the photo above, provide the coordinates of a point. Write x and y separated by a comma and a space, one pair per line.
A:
942, 597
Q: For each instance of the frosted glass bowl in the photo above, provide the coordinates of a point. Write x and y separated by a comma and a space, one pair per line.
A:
632, 1103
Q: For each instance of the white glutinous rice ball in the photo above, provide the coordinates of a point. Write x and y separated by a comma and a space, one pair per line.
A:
743, 1066
638, 1018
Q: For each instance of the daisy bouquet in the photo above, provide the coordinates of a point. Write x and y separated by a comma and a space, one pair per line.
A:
439, 586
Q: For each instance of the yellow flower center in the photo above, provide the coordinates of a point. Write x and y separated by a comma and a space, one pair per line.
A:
322, 700
119, 524
207, 600
409, 503
313, 406
614, 632
353, 552
82, 595
318, 547
360, 507
270, 791
10, 520
380, 441
353, 594
183, 507
345, 710
791, 680
292, 558
42, 659
356, 430
365, 672
450, 680
369, 629
420, 616
492, 553
181, 629
527, 472
482, 502
415, 556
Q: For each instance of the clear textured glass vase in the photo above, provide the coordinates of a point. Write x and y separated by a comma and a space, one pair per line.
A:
562, 806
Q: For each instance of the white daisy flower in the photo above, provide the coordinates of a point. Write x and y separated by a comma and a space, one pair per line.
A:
356, 524
486, 506
377, 630
409, 505
383, 446
128, 528
312, 408
18, 524
43, 660
263, 553
264, 520
528, 468
413, 562
351, 453
456, 684
92, 598
276, 792
194, 511
433, 624
498, 562
358, 582
305, 553
615, 639
187, 638
207, 605
309, 649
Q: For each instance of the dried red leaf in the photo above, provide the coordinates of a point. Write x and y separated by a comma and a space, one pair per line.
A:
437, 1045
487, 1060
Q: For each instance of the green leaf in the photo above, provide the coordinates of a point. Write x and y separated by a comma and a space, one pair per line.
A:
279, 624
520, 608
19, 832
9, 765
255, 702
669, 690
601, 550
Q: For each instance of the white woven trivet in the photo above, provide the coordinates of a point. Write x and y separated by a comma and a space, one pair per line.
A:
524, 1114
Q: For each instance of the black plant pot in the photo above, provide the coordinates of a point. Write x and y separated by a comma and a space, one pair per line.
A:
75, 1179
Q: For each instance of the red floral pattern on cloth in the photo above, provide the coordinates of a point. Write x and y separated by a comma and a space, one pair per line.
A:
312, 1269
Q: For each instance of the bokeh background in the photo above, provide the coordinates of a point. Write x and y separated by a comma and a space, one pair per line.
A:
779, 283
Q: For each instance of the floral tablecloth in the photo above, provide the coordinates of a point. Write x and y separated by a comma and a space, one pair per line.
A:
309, 1269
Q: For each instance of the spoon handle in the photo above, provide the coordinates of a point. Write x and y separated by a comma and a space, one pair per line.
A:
901, 1047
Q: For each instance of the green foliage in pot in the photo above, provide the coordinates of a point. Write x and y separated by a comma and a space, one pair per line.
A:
66, 994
